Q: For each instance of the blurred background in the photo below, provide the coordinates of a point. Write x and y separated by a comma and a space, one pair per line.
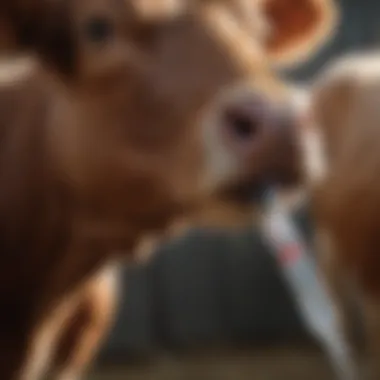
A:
214, 306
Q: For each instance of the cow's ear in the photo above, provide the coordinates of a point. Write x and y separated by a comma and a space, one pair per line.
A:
297, 28
42, 27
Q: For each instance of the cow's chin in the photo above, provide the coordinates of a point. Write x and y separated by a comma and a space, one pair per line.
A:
233, 208
253, 191
246, 192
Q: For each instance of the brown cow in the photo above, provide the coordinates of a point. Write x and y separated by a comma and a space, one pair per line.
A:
127, 119
346, 106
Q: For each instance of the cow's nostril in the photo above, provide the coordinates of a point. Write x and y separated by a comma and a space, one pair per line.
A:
241, 124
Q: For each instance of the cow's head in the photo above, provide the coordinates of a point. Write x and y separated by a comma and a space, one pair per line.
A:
158, 105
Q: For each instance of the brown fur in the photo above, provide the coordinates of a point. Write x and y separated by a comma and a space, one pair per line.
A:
346, 200
102, 142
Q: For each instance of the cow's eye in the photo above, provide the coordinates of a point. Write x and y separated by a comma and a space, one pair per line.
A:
98, 29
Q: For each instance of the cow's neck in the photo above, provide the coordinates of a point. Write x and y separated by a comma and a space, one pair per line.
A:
36, 209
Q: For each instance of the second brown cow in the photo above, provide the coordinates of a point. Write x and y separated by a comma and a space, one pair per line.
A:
346, 198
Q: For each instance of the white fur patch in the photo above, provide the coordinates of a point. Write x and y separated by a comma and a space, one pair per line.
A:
14, 69
160, 8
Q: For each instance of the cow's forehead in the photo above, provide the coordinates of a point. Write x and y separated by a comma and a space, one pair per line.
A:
237, 21
90, 7
144, 9
141, 8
